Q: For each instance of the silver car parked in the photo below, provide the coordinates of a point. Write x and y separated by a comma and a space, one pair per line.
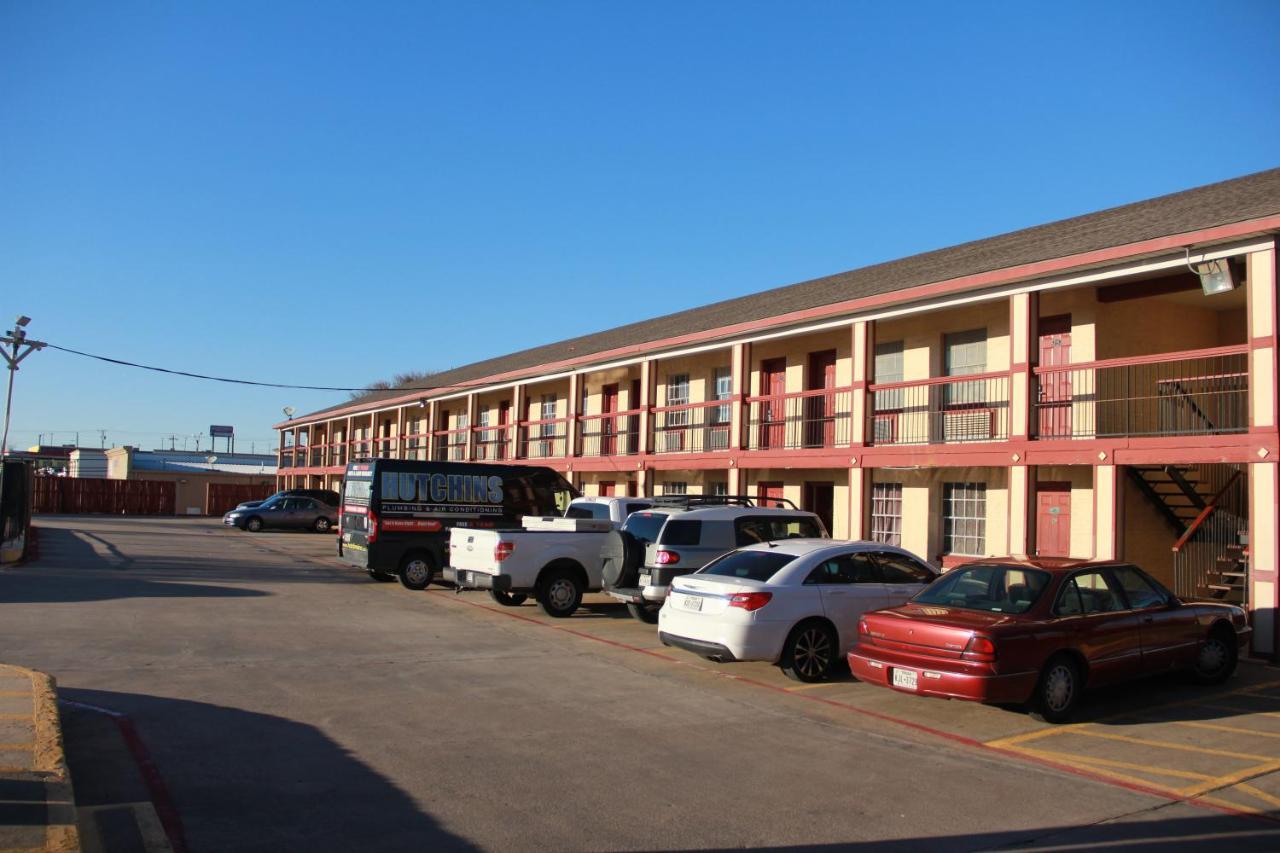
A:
284, 513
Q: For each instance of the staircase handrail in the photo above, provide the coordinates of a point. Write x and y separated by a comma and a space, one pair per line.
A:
1204, 513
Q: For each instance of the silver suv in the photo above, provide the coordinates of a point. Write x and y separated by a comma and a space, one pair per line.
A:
663, 542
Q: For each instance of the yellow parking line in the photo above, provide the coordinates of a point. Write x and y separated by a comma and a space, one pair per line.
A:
1240, 711
1269, 799
1074, 762
1026, 737
16, 747
15, 692
1123, 765
15, 716
1228, 804
812, 686
1232, 778
1178, 746
1218, 727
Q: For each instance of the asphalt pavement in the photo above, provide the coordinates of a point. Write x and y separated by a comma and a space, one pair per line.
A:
288, 703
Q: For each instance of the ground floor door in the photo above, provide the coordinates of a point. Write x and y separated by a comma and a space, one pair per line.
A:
1053, 519
769, 493
820, 499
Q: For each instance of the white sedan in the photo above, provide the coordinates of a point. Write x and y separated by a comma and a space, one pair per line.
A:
795, 602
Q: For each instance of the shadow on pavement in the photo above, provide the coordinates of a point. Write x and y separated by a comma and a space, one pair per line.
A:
246, 781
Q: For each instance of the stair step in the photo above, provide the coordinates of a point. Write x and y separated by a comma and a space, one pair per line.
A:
1222, 587
1241, 575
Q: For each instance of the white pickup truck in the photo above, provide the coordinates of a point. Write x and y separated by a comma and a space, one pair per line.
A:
555, 559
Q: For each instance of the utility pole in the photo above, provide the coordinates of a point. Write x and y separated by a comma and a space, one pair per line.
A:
102, 439
15, 347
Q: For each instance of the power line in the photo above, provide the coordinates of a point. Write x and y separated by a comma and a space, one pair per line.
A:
190, 375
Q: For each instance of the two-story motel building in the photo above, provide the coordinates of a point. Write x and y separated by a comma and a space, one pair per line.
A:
1091, 388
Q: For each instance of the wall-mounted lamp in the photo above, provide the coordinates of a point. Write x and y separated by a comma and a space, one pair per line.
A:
1215, 276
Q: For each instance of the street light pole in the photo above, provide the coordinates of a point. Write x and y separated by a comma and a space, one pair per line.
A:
15, 347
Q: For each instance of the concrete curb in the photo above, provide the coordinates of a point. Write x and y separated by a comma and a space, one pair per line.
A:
48, 762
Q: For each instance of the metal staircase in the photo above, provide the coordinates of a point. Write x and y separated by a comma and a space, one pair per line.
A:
1205, 507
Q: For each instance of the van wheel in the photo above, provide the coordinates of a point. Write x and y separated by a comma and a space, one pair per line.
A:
559, 592
508, 599
417, 570
1058, 691
646, 613
809, 653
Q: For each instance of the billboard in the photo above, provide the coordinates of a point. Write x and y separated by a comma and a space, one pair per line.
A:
216, 431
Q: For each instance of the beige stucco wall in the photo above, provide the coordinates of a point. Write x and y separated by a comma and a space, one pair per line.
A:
796, 351
922, 507
922, 336
1147, 538
793, 490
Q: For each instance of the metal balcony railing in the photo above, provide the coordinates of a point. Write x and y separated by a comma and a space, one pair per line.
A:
943, 410
1195, 392
693, 427
804, 419
451, 444
493, 443
614, 434
545, 439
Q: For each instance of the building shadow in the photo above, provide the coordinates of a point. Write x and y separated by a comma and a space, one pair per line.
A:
245, 781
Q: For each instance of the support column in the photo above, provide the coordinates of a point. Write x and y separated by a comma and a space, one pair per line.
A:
347, 437
400, 422
741, 438
648, 386
863, 348
433, 412
1024, 310
735, 480
1107, 512
1264, 475
859, 479
1020, 487
519, 414
573, 442
472, 414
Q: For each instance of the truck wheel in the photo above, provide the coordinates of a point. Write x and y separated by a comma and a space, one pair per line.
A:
417, 570
559, 592
646, 613
621, 555
508, 599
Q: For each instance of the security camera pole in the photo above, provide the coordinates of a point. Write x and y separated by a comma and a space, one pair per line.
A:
15, 347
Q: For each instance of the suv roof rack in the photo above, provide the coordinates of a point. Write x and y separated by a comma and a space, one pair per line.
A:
720, 500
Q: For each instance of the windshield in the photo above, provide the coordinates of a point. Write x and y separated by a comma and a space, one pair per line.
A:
995, 589
357, 491
645, 525
753, 565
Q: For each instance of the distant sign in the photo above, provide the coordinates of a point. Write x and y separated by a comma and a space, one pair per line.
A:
216, 431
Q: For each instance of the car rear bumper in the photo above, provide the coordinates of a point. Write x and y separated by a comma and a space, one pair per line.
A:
935, 678
467, 579
722, 636
703, 648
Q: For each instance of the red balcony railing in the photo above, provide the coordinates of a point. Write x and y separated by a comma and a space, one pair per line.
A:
1195, 392
415, 446
944, 410
451, 444
803, 419
544, 439
385, 447
692, 427
614, 434
493, 442
361, 448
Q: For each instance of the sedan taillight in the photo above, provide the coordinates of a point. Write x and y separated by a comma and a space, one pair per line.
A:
980, 648
750, 601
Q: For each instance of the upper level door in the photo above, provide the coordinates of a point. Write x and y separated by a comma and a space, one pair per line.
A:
773, 415
1054, 403
608, 425
820, 409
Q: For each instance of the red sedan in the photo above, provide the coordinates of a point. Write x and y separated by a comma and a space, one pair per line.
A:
1018, 631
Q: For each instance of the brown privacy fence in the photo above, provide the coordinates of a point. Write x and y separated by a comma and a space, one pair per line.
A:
220, 497
73, 495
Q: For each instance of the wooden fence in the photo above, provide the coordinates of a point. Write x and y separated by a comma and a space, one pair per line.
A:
76, 495
220, 497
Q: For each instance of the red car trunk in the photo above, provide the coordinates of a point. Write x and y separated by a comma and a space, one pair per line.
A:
942, 632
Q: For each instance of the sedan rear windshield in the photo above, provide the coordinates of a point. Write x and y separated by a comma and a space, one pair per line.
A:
995, 589
645, 525
753, 565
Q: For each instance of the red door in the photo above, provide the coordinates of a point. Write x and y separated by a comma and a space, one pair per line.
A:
504, 418
1053, 519
769, 493
608, 425
773, 409
820, 410
1054, 401
606, 486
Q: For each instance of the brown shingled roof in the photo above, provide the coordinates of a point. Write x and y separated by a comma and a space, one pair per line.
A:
1236, 200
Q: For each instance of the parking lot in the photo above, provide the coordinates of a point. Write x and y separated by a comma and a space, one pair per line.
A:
292, 703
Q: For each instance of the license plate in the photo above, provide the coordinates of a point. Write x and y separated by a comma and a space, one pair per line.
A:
692, 602
644, 580
907, 679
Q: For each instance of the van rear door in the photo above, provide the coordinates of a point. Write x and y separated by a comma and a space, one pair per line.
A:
357, 500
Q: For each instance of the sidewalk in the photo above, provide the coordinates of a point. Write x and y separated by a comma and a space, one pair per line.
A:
37, 809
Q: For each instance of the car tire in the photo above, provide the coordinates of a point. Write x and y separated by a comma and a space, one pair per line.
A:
417, 570
810, 652
646, 613
322, 525
621, 556
253, 525
559, 592
1058, 690
508, 599
381, 577
1217, 657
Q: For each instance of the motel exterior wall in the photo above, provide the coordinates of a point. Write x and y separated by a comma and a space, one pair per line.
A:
855, 430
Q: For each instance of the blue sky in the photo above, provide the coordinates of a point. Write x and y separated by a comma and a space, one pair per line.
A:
331, 193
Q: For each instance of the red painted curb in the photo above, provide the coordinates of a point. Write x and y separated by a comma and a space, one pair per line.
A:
160, 798
963, 740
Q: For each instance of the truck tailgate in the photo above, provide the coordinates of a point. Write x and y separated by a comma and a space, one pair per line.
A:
473, 549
